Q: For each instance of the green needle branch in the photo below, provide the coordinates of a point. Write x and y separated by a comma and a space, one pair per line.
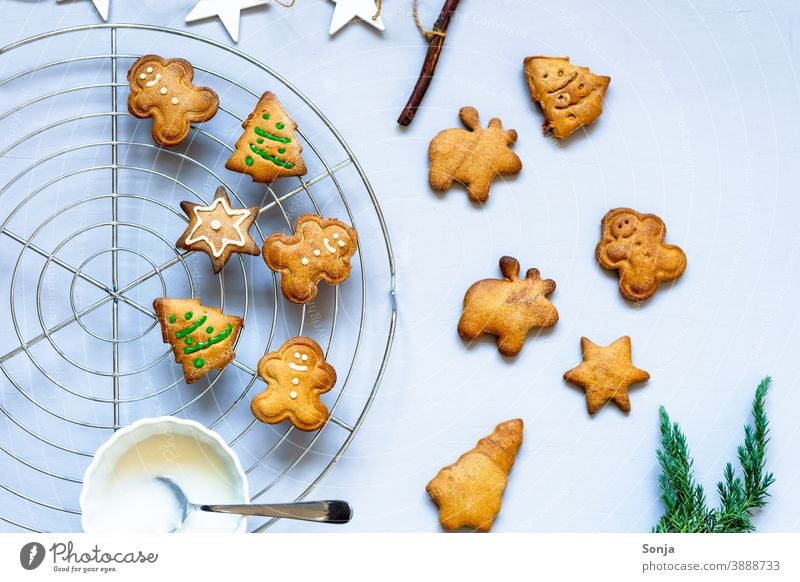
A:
685, 508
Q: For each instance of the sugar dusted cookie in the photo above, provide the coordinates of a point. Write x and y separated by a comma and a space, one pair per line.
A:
469, 492
474, 156
202, 338
606, 374
508, 308
163, 89
268, 149
296, 375
218, 229
633, 244
570, 96
319, 250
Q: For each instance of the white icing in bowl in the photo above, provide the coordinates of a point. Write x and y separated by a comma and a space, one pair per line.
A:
120, 493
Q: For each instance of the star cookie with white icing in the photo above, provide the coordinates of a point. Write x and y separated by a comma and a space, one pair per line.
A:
218, 229
319, 250
296, 375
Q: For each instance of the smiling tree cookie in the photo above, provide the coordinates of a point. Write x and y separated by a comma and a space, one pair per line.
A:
296, 375
570, 96
218, 229
202, 338
606, 374
633, 244
469, 492
473, 157
163, 89
319, 250
508, 308
268, 149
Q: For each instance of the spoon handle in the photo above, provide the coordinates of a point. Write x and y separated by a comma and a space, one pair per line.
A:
320, 511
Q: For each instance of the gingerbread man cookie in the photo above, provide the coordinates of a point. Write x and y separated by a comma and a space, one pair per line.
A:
633, 244
570, 96
218, 229
163, 89
202, 338
296, 375
508, 308
319, 250
606, 374
469, 492
474, 157
268, 149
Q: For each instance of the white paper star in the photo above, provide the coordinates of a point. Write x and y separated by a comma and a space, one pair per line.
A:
102, 7
347, 10
227, 11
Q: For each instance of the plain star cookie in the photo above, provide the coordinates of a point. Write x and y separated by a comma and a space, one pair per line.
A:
606, 374
163, 89
469, 492
296, 375
508, 308
633, 244
474, 156
319, 250
570, 96
202, 338
219, 230
268, 149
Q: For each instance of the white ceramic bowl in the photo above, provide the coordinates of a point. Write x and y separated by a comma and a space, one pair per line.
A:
118, 488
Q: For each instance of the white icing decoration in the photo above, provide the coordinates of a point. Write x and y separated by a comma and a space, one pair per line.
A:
297, 355
304, 358
335, 235
142, 76
317, 253
216, 224
163, 90
298, 368
304, 261
295, 381
328, 246
149, 69
292, 394
341, 243
153, 82
175, 100
237, 226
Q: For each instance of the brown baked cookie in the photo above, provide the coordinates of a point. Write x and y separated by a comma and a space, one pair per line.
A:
473, 157
218, 229
570, 96
296, 375
202, 338
606, 374
319, 250
163, 89
633, 243
469, 492
268, 149
508, 308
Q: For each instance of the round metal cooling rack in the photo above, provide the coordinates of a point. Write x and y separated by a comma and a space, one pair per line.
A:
51, 424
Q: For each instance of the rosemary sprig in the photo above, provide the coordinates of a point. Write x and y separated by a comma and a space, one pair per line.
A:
685, 508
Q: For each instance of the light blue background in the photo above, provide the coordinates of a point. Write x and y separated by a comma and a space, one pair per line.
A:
701, 127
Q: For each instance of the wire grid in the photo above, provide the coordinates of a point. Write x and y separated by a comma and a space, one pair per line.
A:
117, 293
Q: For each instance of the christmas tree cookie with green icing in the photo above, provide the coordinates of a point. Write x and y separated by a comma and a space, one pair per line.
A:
268, 149
202, 338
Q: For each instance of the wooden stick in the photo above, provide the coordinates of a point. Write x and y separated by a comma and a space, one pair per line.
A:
435, 43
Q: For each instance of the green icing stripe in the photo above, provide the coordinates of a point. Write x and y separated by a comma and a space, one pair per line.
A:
221, 336
278, 162
268, 135
191, 329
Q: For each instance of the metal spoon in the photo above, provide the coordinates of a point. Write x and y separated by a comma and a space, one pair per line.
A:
319, 511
